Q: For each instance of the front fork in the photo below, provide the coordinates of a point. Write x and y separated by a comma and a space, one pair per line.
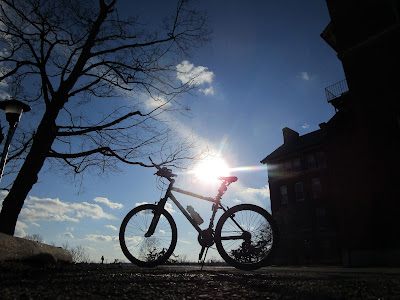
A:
158, 211
153, 225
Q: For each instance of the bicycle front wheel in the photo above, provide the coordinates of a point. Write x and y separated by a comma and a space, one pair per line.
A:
147, 251
245, 236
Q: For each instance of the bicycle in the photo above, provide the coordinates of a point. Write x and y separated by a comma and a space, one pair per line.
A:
245, 234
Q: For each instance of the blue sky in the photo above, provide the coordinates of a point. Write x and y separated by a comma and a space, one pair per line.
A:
266, 68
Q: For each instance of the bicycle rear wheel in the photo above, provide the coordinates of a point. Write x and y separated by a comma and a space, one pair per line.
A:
246, 236
147, 251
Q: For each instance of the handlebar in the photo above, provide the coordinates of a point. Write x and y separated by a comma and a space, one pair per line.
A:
162, 171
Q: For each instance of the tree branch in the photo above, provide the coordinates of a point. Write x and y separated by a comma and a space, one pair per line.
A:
106, 151
22, 150
96, 128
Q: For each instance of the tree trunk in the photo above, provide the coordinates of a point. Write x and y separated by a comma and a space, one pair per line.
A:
30, 169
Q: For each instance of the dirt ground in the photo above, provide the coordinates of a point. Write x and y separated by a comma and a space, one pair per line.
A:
96, 281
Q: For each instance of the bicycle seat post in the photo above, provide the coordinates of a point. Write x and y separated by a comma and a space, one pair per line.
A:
222, 189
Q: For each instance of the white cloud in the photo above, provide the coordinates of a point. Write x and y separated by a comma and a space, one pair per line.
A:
36, 210
112, 205
19, 229
101, 238
112, 227
93, 211
208, 91
304, 76
305, 126
188, 73
48, 209
69, 235
263, 192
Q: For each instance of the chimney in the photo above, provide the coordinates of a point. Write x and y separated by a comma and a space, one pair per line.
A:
289, 135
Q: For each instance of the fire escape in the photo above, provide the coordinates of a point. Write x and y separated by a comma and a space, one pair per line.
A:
337, 94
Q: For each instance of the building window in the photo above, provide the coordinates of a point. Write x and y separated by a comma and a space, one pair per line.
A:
297, 164
316, 188
299, 191
321, 160
284, 195
311, 162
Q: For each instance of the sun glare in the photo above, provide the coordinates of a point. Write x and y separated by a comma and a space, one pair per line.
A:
211, 169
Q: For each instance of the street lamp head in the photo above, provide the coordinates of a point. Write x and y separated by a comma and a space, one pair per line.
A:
14, 110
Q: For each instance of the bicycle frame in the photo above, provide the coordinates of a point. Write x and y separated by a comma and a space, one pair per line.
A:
217, 205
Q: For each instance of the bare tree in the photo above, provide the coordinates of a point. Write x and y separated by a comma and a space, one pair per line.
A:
79, 253
34, 237
90, 73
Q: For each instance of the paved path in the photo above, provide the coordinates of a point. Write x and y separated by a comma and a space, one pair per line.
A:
97, 281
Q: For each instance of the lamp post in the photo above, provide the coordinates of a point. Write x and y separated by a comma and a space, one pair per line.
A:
13, 110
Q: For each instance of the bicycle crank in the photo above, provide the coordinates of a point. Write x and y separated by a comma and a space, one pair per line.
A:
206, 237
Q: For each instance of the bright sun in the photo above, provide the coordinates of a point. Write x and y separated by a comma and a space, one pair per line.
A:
211, 169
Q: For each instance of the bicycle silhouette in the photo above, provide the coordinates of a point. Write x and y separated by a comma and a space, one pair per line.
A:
245, 234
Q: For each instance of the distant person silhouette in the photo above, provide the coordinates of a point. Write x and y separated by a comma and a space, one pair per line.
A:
102, 259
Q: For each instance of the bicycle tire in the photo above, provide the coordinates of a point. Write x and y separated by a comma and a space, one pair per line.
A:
147, 251
252, 249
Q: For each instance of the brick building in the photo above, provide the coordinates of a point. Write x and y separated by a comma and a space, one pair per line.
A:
333, 191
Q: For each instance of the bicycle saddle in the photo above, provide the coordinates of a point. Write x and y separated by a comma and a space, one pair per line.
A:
229, 179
